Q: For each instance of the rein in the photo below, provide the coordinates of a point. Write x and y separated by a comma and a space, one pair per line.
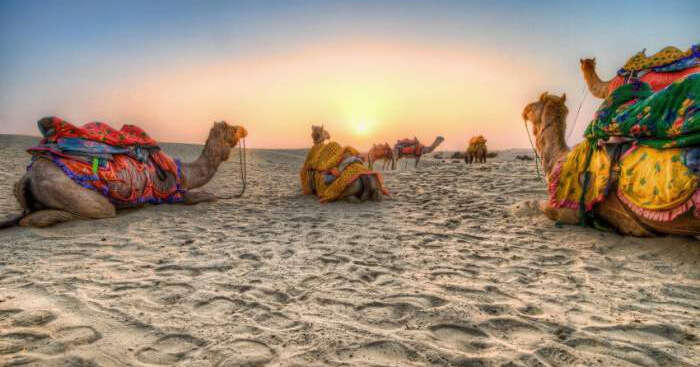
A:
573, 127
537, 156
243, 169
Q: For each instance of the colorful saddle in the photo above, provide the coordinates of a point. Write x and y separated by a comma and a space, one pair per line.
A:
330, 168
125, 165
408, 146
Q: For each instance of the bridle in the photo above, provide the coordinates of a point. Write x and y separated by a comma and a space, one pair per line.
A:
243, 170
243, 167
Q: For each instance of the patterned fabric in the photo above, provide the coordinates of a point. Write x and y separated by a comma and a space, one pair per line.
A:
53, 128
124, 165
126, 181
330, 168
656, 183
408, 146
665, 119
567, 178
658, 80
668, 59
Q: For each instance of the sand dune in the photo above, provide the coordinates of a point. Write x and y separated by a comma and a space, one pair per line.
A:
457, 270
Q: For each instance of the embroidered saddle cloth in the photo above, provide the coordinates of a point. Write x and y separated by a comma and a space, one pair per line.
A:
658, 184
124, 165
330, 168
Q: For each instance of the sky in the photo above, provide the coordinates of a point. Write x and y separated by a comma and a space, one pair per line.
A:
369, 71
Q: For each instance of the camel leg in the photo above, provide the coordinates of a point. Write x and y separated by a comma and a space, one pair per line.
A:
417, 160
196, 197
45, 218
62, 198
561, 215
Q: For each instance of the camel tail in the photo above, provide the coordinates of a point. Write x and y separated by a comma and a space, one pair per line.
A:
24, 197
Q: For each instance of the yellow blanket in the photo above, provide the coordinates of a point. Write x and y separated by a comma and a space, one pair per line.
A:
326, 159
652, 182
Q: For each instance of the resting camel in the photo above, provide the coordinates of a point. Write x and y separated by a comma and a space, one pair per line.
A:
413, 148
49, 197
363, 186
548, 119
381, 151
476, 151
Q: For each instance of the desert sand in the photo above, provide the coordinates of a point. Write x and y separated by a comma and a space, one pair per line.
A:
457, 269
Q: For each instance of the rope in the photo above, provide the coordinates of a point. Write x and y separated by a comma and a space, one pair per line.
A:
573, 127
243, 170
537, 157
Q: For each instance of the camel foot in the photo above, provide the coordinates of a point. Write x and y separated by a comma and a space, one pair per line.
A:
196, 197
561, 215
45, 218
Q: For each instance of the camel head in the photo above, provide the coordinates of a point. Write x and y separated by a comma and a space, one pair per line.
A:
549, 111
319, 134
222, 138
587, 64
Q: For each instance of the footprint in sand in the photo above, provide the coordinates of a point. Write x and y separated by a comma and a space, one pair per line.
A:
419, 300
277, 321
66, 361
33, 318
8, 313
218, 308
385, 315
382, 352
30, 342
77, 335
170, 293
246, 353
169, 349
513, 331
463, 338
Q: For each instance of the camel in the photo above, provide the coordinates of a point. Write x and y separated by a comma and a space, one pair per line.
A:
365, 187
413, 148
49, 197
381, 151
476, 151
597, 87
548, 119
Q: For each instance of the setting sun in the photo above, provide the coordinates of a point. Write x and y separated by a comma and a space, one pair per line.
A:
362, 128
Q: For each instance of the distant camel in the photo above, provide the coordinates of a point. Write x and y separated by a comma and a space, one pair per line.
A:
334, 172
476, 152
413, 148
381, 151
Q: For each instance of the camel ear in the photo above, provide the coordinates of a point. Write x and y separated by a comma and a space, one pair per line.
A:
543, 96
563, 98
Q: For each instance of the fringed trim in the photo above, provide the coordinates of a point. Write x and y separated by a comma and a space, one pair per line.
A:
353, 178
662, 215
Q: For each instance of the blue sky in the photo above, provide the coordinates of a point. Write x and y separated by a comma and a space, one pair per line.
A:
68, 58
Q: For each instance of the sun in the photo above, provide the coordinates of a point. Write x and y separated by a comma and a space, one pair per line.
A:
362, 127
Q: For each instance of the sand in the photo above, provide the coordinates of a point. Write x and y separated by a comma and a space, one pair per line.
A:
456, 270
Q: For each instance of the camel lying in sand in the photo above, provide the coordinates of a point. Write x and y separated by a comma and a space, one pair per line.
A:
548, 119
48, 196
333, 172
